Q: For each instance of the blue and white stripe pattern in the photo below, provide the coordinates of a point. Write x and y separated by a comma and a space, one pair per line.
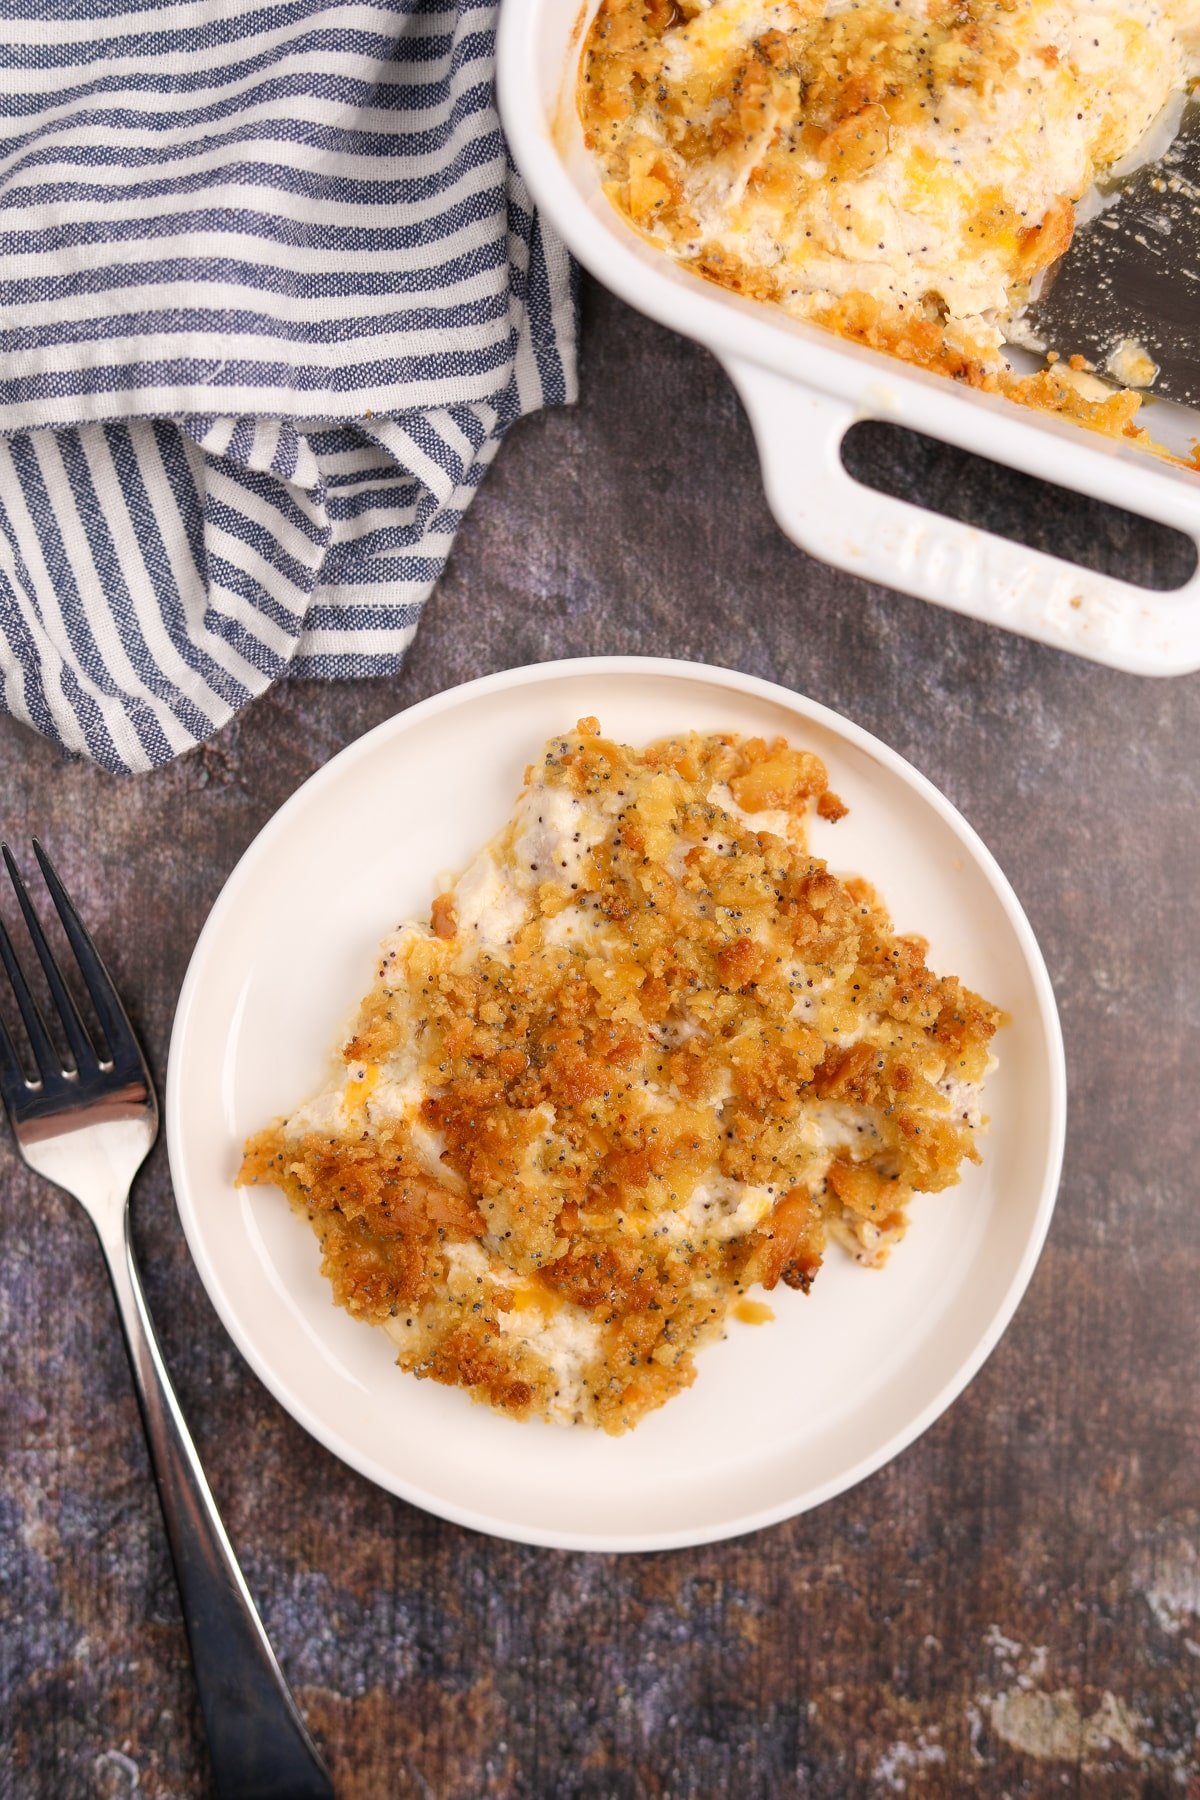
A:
270, 294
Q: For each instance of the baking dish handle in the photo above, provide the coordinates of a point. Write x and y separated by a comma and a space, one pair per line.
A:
799, 432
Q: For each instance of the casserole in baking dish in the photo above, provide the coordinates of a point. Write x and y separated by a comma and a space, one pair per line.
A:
900, 171
803, 388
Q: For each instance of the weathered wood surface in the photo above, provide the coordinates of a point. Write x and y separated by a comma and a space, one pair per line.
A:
1011, 1607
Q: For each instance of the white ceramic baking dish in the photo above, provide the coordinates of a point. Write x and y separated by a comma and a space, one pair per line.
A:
803, 388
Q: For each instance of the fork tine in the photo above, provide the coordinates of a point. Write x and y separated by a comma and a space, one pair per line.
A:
119, 1035
68, 1012
13, 1084
49, 1063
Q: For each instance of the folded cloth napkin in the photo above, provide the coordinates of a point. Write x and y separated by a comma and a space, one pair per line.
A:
270, 294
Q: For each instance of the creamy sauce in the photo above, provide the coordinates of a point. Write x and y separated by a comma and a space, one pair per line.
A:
720, 1208
566, 1341
554, 833
488, 905
577, 924
835, 1126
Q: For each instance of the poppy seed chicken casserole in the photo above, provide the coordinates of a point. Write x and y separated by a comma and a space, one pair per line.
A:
648, 1054
898, 171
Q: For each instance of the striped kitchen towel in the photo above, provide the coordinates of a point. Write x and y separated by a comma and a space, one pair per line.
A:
270, 294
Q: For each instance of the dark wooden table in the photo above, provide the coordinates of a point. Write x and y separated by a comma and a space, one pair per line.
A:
1011, 1607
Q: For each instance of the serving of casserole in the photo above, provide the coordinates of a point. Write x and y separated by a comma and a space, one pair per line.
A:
648, 1055
890, 213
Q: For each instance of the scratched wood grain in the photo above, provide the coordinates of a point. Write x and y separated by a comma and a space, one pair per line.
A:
1011, 1607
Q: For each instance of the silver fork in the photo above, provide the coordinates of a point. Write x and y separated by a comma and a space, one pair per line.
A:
89, 1129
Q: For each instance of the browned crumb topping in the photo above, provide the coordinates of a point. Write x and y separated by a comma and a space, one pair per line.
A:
564, 1148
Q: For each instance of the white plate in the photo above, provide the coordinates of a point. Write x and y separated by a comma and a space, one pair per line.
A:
781, 1416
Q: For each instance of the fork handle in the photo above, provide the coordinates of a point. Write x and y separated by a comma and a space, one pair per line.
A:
258, 1743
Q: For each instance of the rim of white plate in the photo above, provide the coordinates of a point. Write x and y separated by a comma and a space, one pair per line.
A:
477, 1518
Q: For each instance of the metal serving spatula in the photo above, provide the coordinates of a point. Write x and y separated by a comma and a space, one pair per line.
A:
1132, 276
